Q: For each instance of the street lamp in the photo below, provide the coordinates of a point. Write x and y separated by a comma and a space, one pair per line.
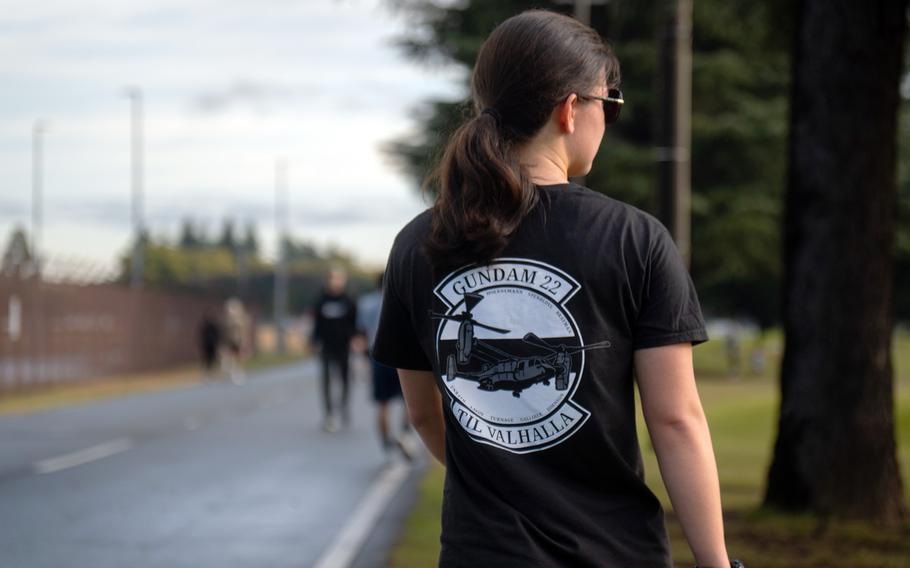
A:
136, 182
39, 128
281, 262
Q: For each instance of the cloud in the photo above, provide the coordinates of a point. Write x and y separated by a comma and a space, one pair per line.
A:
229, 86
249, 93
13, 209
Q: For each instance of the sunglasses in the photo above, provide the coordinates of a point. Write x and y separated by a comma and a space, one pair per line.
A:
612, 104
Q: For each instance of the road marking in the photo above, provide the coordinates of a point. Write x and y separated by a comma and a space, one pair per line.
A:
87, 455
347, 544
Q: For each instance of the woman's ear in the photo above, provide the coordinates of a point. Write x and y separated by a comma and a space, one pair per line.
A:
565, 114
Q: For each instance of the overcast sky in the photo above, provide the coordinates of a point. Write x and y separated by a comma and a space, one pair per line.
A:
229, 87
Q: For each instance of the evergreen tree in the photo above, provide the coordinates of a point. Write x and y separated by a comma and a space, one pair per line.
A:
251, 241
835, 451
227, 240
189, 238
740, 87
17, 258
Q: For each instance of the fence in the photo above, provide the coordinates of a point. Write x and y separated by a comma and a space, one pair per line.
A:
53, 332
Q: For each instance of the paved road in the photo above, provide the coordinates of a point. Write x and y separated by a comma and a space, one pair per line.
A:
208, 475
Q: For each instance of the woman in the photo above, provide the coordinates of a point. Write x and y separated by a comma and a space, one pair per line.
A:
236, 335
517, 309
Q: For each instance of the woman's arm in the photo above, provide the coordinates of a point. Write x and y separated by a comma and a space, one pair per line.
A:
679, 433
425, 409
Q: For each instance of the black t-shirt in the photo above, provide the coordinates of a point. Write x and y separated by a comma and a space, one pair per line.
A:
533, 354
335, 321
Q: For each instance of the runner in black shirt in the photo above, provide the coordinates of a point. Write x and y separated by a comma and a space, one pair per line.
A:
520, 307
334, 325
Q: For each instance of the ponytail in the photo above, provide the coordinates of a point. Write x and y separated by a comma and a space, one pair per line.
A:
528, 64
483, 194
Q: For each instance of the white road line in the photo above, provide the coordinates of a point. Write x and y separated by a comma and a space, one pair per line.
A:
346, 546
93, 453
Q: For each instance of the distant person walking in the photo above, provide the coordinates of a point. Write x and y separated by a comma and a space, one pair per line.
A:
333, 329
386, 386
236, 340
209, 340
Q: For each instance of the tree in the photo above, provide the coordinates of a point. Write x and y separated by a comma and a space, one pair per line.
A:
17, 259
251, 241
228, 240
299, 250
835, 449
740, 87
902, 244
190, 237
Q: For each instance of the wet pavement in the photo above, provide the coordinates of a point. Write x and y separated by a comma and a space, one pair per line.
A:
207, 475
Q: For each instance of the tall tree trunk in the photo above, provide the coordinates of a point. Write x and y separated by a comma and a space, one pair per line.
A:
835, 450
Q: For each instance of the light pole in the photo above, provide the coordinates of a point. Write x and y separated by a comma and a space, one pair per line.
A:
583, 11
281, 262
136, 183
39, 128
36, 334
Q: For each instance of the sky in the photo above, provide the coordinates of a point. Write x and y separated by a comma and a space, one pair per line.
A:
229, 87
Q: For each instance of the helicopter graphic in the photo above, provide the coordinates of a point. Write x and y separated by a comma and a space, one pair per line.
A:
466, 340
503, 371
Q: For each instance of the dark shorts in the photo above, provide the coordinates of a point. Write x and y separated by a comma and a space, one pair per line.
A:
385, 383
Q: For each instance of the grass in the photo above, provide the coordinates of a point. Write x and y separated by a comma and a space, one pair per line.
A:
41, 398
742, 414
419, 542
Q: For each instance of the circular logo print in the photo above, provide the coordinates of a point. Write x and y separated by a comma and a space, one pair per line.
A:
511, 354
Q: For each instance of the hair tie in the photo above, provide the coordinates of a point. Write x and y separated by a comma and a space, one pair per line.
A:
492, 112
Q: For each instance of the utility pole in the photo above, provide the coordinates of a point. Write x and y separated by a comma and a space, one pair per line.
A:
281, 261
583, 11
136, 183
36, 334
38, 130
675, 134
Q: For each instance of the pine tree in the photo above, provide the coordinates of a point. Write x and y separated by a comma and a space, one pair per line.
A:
835, 450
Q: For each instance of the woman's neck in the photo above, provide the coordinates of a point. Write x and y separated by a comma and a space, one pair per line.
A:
543, 164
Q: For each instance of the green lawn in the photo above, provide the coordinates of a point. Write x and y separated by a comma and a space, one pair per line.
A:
742, 413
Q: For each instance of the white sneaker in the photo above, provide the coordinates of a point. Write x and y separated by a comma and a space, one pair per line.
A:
330, 424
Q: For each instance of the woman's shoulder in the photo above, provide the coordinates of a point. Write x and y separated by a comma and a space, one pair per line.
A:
410, 237
619, 213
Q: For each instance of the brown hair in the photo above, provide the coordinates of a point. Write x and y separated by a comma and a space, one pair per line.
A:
529, 64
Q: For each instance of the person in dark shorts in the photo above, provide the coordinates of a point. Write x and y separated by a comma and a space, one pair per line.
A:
333, 329
522, 309
386, 387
